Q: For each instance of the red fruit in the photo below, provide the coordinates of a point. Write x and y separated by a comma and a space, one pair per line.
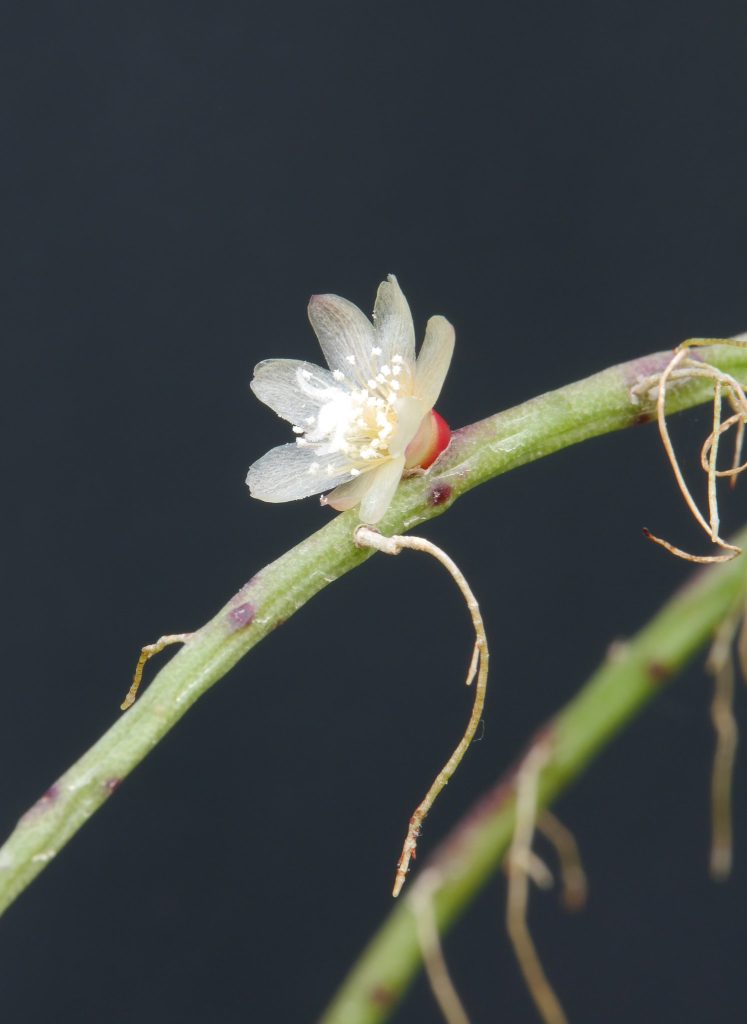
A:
432, 438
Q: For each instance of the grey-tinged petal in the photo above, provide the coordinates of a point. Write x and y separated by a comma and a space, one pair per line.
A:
350, 494
290, 471
433, 360
346, 336
378, 497
276, 383
395, 333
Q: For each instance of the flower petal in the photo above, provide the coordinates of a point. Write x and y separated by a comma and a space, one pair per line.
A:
289, 472
378, 497
434, 359
395, 333
276, 383
410, 414
349, 495
345, 334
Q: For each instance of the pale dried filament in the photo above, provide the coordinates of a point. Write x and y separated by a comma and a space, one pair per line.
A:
681, 368
720, 664
742, 645
420, 901
145, 655
527, 784
737, 467
713, 516
366, 537
574, 889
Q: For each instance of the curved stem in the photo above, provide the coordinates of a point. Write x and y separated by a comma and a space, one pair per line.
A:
597, 405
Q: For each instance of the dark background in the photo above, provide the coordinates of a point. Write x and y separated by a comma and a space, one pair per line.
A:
565, 182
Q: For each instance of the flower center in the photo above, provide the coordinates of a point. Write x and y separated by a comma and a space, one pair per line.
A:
356, 421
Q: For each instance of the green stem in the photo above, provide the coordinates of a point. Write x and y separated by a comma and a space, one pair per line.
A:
619, 690
596, 405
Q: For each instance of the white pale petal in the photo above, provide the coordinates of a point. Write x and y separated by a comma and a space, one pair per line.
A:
345, 334
379, 495
395, 333
434, 359
289, 472
350, 494
410, 413
276, 383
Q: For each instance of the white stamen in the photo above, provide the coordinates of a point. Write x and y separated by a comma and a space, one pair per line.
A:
350, 359
338, 375
376, 351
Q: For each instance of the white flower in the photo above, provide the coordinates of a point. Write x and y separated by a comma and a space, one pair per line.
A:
361, 423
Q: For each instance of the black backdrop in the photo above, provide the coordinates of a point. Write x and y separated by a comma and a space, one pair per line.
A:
565, 182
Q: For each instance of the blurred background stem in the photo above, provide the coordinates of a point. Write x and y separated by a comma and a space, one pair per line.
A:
633, 674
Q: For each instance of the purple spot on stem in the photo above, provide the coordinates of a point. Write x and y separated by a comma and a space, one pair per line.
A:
658, 671
112, 784
241, 615
43, 804
382, 997
439, 494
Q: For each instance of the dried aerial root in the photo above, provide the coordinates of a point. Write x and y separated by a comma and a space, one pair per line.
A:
420, 901
522, 864
366, 537
720, 664
145, 655
682, 368
574, 887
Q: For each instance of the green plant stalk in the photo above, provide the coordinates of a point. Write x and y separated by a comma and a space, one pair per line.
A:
619, 690
594, 406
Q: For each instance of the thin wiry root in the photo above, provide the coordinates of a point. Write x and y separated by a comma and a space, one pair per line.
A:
420, 901
742, 647
680, 369
720, 664
527, 783
575, 888
145, 655
366, 537
737, 465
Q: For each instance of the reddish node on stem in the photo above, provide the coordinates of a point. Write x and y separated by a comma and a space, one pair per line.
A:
658, 671
43, 804
439, 494
382, 997
242, 615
